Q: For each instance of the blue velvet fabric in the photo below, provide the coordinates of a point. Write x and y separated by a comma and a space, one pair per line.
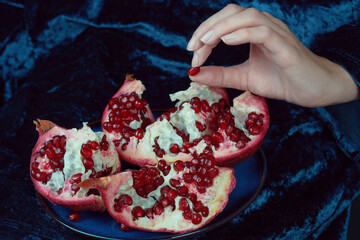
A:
62, 60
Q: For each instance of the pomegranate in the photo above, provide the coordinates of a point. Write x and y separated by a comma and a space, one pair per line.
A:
202, 121
62, 158
168, 197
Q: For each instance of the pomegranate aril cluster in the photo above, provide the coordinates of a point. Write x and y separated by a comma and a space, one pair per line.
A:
200, 172
125, 109
52, 152
147, 179
254, 123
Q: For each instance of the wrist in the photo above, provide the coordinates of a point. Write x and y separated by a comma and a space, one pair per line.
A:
349, 90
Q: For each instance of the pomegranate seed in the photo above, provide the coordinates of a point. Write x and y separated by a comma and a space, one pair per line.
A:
165, 201
141, 192
222, 103
172, 194
179, 165
162, 164
137, 183
187, 214
235, 135
207, 139
174, 183
253, 115
193, 71
74, 216
50, 153
174, 148
149, 213
213, 172
197, 206
202, 171
88, 163
223, 122
188, 177
229, 130
137, 212
158, 181
158, 209
59, 153
192, 197
200, 126
125, 199
124, 146
183, 190
205, 106
240, 144
249, 122
148, 178
253, 130
149, 188
153, 171
215, 107
57, 141
210, 163
183, 204
196, 106
118, 207
165, 190
139, 133
187, 145
54, 163
139, 104
173, 109
76, 178
167, 170
39, 176
259, 123
124, 228
86, 151
196, 218
208, 181
217, 137
201, 187
93, 145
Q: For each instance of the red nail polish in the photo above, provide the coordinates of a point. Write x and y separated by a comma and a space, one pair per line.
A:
193, 71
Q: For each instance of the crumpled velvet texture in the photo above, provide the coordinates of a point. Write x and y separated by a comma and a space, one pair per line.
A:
63, 60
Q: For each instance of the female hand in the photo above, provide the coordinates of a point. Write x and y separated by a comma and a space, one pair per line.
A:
279, 65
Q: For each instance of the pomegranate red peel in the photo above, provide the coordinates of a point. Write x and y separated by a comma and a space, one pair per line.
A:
174, 206
57, 164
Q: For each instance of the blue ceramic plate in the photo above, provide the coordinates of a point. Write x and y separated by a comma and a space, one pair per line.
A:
250, 177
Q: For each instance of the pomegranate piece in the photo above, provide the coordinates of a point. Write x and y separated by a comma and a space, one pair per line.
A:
202, 121
175, 205
62, 158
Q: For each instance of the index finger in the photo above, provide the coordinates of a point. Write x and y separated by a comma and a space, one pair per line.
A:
195, 43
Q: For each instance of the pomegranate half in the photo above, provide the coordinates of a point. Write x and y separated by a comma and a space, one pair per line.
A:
62, 158
169, 197
202, 121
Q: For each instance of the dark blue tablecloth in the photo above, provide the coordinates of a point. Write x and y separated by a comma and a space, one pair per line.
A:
62, 60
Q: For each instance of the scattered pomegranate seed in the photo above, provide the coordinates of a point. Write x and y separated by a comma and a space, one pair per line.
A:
193, 71
74, 216
124, 228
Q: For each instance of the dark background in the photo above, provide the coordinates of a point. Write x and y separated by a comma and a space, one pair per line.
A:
62, 60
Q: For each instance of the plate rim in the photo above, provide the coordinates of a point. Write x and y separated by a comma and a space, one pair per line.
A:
54, 216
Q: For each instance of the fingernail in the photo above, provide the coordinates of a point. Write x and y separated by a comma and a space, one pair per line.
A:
228, 38
195, 60
193, 71
191, 44
208, 36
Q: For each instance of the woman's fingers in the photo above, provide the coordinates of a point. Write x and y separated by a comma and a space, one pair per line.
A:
263, 35
195, 43
245, 19
202, 54
227, 77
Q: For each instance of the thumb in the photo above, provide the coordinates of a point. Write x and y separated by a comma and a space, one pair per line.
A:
226, 77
